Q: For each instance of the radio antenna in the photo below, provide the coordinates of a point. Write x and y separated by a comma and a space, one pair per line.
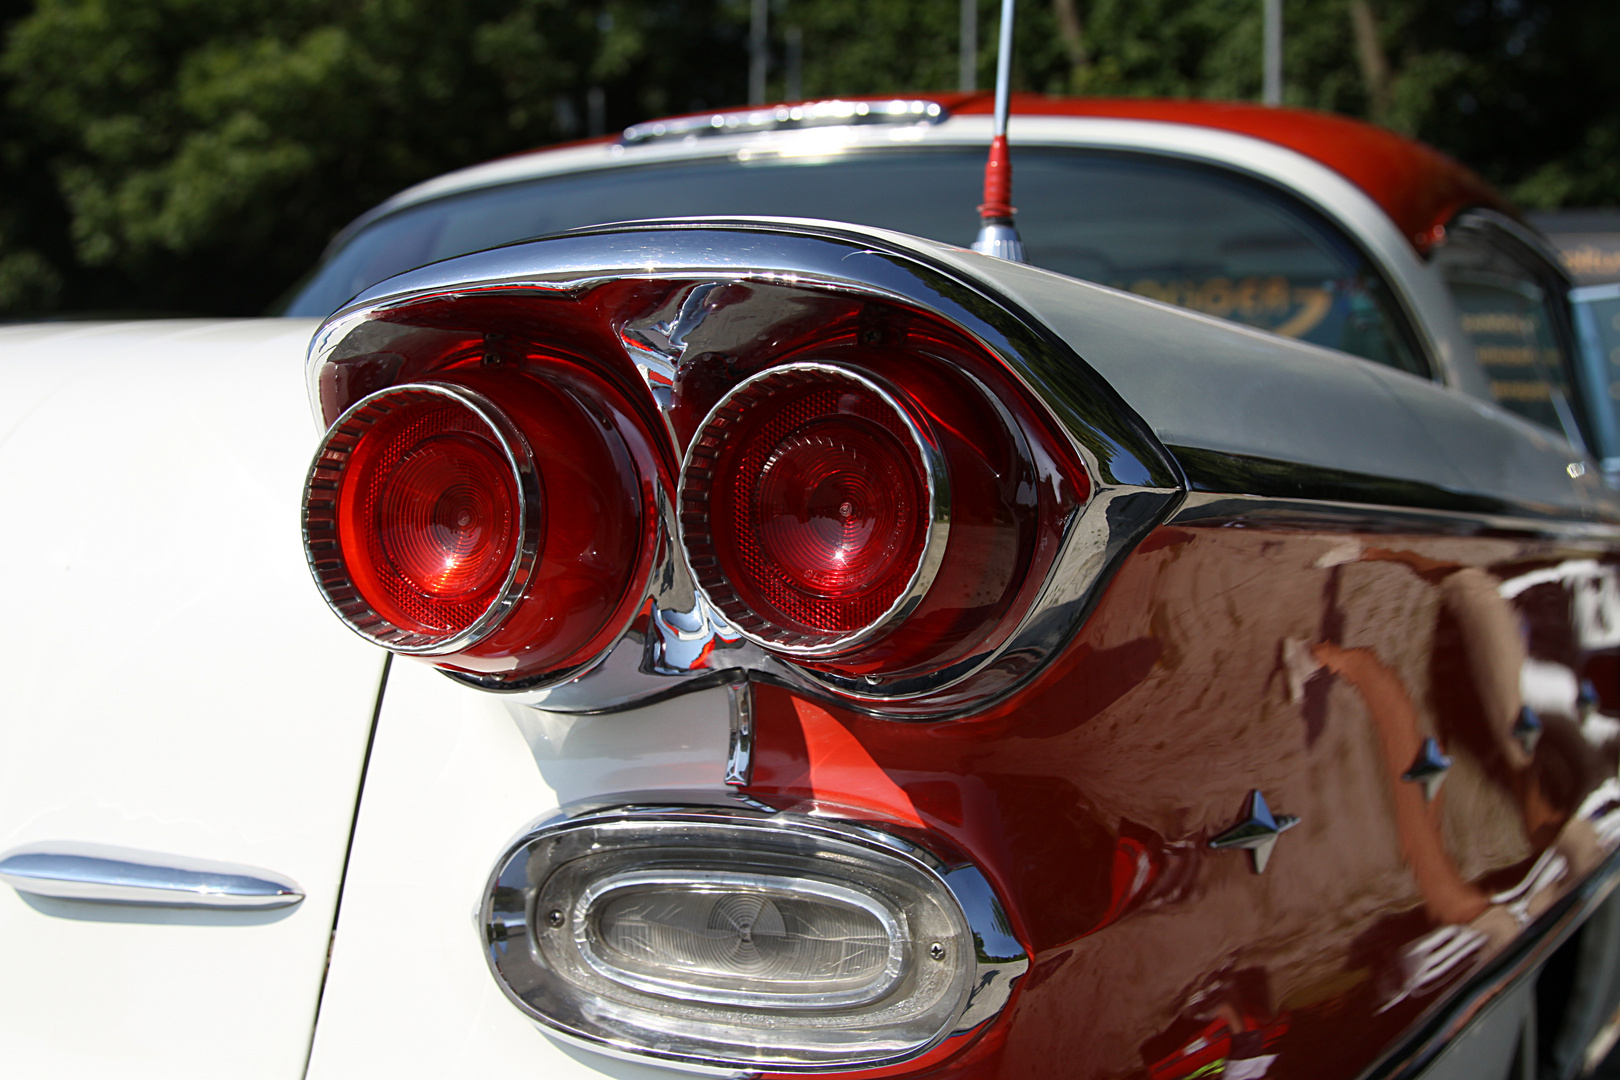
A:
998, 235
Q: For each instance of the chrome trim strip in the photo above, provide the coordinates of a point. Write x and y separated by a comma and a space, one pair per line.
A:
1217, 509
68, 870
740, 752
828, 113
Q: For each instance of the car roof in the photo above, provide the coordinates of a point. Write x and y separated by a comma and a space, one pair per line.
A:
1418, 188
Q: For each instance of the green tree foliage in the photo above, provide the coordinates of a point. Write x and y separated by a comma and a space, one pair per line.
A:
195, 155
203, 151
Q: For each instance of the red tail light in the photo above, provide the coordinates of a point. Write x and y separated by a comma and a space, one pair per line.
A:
433, 511
877, 515
811, 507
866, 489
502, 539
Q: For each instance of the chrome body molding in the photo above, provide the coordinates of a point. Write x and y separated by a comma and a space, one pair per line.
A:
829, 113
1521, 961
679, 641
740, 750
66, 870
510, 899
1221, 509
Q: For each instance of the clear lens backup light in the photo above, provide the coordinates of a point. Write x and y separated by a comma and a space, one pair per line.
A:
761, 941
814, 507
423, 508
739, 939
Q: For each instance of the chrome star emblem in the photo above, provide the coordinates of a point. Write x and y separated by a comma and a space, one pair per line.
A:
1527, 729
1257, 833
1429, 769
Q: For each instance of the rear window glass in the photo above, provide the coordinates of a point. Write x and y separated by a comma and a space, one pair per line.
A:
1505, 312
1185, 234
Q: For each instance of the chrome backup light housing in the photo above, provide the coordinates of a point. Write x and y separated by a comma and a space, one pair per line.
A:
736, 938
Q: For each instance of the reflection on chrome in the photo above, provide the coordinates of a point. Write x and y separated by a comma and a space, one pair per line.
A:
1592, 832
1432, 957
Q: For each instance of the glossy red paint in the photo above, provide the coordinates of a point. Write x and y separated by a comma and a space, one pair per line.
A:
1309, 665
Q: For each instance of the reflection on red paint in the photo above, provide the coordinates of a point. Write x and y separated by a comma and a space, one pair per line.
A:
842, 772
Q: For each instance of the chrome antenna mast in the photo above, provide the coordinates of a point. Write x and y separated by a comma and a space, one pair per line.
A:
998, 235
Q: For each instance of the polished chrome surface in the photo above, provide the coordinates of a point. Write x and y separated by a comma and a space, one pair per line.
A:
740, 752
1001, 240
1428, 769
1257, 833
700, 457
99, 873
744, 276
998, 959
786, 117
325, 553
1527, 728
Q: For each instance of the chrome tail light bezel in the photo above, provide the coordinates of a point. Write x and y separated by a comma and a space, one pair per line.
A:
323, 548
671, 306
695, 526
972, 970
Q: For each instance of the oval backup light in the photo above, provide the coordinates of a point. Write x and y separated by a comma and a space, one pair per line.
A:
783, 942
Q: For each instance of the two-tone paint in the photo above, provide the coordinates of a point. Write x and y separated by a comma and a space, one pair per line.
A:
1339, 563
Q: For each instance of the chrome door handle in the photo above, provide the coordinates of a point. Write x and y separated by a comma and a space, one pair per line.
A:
114, 875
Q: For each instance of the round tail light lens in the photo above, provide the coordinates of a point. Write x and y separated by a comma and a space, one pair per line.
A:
433, 515
814, 507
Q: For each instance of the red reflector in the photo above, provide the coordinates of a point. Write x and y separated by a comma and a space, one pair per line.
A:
435, 508
809, 507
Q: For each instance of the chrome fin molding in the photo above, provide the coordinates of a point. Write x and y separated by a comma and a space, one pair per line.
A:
735, 280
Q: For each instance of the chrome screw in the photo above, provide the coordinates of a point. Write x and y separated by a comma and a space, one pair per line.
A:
937, 951
554, 918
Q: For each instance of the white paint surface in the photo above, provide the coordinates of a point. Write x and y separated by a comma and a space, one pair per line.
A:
170, 680
455, 776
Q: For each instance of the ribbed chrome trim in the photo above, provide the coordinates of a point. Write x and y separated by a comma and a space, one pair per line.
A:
697, 485
67, 870
320, 526
829, 113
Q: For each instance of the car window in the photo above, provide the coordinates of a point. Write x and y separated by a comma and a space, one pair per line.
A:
1507, 311
1192, 235
1596, 310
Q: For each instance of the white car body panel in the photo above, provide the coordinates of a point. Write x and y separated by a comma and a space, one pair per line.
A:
173, 683
454, 776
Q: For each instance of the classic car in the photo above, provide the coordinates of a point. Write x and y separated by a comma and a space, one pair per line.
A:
823, 648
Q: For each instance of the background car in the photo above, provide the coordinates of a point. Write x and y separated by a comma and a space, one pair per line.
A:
1245, 700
